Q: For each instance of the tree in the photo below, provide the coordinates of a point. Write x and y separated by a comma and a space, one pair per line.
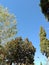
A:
2, 55
20, 51
7, 25
44, 42
44, 4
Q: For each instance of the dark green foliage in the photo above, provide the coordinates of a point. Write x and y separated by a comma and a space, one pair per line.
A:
44, 42
44, 4
20, 51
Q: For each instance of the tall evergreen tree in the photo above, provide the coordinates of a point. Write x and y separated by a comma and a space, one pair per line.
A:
44, 42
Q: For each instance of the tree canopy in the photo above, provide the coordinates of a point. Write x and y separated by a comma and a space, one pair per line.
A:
14, 51
20, 51
44, 42
2, 54
7, 25
44, 4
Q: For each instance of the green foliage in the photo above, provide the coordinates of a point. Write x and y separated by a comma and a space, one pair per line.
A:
44, 42
7, 25
2, 55
20, 51
44, 4
40, 63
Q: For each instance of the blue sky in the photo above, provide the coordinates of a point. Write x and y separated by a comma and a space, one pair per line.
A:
29, 19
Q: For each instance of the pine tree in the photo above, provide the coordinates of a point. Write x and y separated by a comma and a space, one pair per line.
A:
44, 42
